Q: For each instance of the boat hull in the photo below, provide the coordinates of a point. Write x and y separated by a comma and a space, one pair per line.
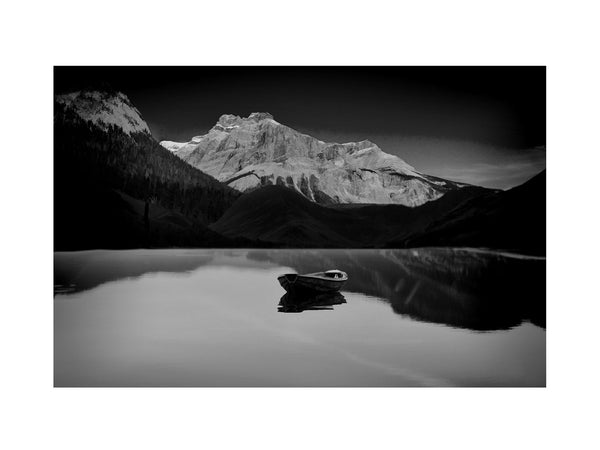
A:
293, 282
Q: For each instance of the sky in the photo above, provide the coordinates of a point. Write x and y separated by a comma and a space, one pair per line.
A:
479, 125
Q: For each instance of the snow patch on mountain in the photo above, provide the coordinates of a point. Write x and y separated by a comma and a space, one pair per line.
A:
172, 146
105, 109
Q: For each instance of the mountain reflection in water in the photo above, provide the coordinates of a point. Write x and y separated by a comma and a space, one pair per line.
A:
211, 317
462, 288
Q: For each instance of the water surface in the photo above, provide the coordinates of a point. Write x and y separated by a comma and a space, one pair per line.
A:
427, 317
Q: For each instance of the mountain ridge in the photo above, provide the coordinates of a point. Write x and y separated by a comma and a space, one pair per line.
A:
116, 187
254, 151
512, 220
283, 216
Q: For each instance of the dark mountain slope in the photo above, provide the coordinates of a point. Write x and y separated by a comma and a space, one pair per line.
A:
390, 222
281, 215
136, 164
103, 180
511, 220
89, 215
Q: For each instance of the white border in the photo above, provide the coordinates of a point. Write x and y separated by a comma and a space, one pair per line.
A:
37, 35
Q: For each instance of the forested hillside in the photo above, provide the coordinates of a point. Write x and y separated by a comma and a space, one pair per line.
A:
118, 190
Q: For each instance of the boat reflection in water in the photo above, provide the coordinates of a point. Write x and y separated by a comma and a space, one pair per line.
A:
297, 301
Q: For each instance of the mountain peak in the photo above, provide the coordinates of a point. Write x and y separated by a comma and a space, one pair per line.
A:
105, 108
259, 116
254, 151
231, 120
227, 120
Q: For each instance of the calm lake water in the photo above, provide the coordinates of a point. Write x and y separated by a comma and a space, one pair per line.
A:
426, 317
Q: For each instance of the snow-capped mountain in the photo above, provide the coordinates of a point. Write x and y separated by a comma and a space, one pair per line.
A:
105, 109
254, 151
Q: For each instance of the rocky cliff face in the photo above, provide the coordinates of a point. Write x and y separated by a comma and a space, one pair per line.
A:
255, 151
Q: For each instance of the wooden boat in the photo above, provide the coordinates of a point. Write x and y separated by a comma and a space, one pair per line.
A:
330, 281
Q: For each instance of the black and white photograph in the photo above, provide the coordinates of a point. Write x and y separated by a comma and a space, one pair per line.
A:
299, 225
303, 226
